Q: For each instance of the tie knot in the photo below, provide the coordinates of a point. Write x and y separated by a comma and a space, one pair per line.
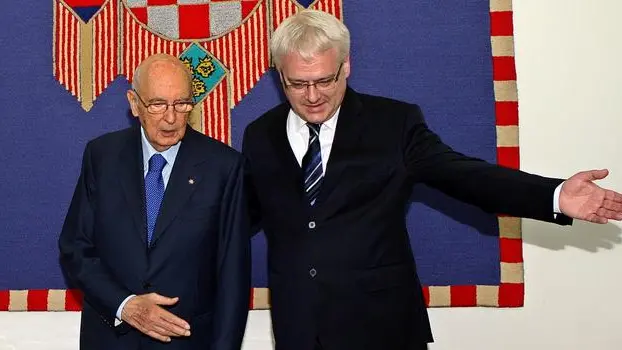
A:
315, 128
156, 162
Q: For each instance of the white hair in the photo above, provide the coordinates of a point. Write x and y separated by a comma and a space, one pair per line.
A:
308, 33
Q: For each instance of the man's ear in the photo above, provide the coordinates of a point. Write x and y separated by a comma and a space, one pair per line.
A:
346, 67
132, 100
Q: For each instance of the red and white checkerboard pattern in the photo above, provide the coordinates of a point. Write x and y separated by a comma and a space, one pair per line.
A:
191, 19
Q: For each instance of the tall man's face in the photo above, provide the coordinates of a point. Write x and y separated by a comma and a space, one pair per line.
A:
315, 87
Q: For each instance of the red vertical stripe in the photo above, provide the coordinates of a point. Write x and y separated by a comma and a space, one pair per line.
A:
126, 49
227, 110
37, 300
75, 63
97, 57
56, 40
63, 55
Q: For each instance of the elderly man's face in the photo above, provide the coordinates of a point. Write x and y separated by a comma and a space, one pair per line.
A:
310, 86
162, 82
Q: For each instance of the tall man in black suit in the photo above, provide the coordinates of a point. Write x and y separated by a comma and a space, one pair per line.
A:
157, 234
332, 171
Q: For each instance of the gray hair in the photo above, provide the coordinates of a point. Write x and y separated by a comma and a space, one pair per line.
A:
307, 33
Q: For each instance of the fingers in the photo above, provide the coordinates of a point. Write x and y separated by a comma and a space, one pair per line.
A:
609, 214
612, 205
156, 335
176, 324
597, 219
613, 196
162, 300
599, 174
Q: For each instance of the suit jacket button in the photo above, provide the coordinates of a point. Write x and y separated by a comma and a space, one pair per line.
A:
312, 272
311, 224
147, 285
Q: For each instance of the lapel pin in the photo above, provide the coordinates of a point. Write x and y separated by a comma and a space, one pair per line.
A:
191, 181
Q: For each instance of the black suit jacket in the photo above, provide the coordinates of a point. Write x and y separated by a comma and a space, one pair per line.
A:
343, 270
199, 252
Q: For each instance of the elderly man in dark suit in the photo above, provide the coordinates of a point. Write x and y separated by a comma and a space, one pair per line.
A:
332, 171
157, 234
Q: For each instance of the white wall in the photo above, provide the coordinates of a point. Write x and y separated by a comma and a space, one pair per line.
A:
570, 94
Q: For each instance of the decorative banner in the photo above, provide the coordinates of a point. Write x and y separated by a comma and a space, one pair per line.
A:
225, 43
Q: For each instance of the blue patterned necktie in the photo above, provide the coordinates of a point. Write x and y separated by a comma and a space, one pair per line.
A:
154, 192
312, 164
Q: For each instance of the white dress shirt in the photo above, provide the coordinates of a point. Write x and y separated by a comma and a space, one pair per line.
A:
298, 136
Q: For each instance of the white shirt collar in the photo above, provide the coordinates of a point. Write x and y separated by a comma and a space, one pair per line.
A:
297, 123
148, 151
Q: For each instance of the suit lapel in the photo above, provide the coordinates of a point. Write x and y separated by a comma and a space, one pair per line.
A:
181, 184
132, 181
347, 136
292, 173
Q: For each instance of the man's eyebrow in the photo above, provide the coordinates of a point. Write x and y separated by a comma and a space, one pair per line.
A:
312, 81
159, 99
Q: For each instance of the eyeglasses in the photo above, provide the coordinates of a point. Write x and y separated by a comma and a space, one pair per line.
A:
162, 107
303, 86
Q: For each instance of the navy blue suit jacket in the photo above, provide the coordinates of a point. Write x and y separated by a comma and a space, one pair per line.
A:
199, 252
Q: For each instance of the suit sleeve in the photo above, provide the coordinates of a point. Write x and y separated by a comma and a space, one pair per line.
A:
493, 188
79, 257
233, 280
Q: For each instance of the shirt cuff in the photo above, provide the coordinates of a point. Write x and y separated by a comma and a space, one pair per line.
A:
558, 190
118, 321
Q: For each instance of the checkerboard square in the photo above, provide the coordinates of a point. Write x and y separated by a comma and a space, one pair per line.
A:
511, 250
140, 13
73, 300
164, 20
38, 300
194, 21
247, 7
511, 294
224, 16
4, 300
463, 296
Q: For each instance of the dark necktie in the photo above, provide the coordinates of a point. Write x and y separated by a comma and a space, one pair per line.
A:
312, 164
154, 192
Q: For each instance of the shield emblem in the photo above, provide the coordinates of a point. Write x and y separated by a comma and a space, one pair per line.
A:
191, 19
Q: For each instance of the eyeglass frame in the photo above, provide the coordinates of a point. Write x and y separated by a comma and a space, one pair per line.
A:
307, 84
164, 103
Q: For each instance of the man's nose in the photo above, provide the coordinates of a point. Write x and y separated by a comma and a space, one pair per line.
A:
312, 93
